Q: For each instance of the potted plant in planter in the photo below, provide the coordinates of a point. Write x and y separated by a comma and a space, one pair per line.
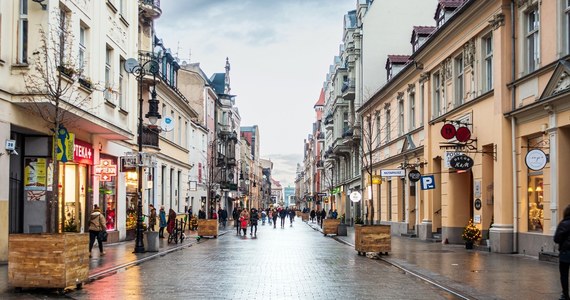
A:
342, 226
471, 234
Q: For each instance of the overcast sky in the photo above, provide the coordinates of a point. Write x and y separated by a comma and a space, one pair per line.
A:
279, 51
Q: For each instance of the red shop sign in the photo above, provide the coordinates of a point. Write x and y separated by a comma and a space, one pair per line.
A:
448, 131
83, 152
463, 134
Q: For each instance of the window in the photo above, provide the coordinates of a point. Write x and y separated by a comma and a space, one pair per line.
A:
421, 104
378, 130
459, 81
436, 95
187, 144
23, 33
532, 39
566, 27
401, 116
122, 7
412, 115
82, 49
62, 31
535, 191
122, 85
387, 126
180, 130
487, 63
345, 126
108, 62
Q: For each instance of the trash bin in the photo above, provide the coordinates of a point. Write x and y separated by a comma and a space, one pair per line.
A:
341, 229
151, 241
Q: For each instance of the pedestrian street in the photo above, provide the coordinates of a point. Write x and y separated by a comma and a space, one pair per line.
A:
291, 263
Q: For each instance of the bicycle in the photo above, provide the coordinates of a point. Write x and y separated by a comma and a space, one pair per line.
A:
177, 232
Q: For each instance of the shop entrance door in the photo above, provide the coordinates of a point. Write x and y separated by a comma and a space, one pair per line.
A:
72, 189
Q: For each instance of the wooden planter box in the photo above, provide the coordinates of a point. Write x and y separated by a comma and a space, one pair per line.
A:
305, 216
208, 227
330, 226
53, 261
372, 238
297, 213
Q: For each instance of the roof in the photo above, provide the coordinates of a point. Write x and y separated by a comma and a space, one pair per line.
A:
422, 31
218, 82
398, 59
447, 5
321, 101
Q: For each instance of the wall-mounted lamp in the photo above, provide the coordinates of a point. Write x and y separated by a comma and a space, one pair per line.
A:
41, 2
530, 190
100, 147
539, 188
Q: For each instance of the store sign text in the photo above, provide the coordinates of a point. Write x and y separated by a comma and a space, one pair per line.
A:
106, 169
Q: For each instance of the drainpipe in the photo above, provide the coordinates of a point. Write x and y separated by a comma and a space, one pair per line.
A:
513, 132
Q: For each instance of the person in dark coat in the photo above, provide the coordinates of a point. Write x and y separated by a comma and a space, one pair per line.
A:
274, 215
323, 216
162, 222
223, 215
253, 219
313, 214
201, 214
291, 217
562, 238
235, 215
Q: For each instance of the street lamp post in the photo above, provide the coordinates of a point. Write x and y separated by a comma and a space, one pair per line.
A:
133, 66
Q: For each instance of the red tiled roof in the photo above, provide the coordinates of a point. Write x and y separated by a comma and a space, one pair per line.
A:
321, 100
398, 59
424, 29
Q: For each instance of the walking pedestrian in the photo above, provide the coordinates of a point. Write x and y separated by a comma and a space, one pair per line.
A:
312, 216
190, 214
152, 218
263, 217
201, 214
171, 221
253, 219
562, 238
291, 217
282, 216
274, 213
162, 221
323, 216
235, 215
97, 225
223, 217
244, 218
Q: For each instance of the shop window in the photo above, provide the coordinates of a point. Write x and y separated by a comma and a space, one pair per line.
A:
535, 203
132, 200
108, 195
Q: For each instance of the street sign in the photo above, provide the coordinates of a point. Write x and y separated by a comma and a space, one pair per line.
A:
414, 175
428, 182
393, 173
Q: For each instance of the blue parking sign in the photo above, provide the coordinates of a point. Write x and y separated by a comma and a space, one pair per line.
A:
428, 182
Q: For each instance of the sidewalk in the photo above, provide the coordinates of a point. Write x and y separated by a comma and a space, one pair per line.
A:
470, 274
118, 256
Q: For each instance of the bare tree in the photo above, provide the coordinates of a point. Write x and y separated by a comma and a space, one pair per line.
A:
372, 138
54, 94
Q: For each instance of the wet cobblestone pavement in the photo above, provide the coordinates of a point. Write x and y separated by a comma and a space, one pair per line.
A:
291, 263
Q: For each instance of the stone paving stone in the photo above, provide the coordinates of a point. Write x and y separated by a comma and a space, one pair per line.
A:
291, 263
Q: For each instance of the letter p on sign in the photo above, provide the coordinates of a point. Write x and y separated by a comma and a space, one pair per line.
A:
428, 182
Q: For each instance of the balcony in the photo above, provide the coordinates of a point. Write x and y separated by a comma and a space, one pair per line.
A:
321, 136
348, 90
231, 161
150, 138
150, 9
320, 164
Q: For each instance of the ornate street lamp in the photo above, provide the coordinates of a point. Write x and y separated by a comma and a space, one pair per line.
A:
140, 70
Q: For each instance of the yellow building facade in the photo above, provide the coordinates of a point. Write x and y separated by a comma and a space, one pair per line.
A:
488, 85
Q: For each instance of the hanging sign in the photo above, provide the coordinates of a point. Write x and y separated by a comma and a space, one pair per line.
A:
536, 159
463, 134
477, 204
414, 175
376, 179
355, 196
448, 131
428, 182
65, 145
106, 169
461, 162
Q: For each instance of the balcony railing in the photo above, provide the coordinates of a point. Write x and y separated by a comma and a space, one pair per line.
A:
150, 8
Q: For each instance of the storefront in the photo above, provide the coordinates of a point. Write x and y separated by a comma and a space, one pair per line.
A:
75, 187
106, 171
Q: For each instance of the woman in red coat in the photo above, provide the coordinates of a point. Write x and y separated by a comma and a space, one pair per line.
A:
171, 220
